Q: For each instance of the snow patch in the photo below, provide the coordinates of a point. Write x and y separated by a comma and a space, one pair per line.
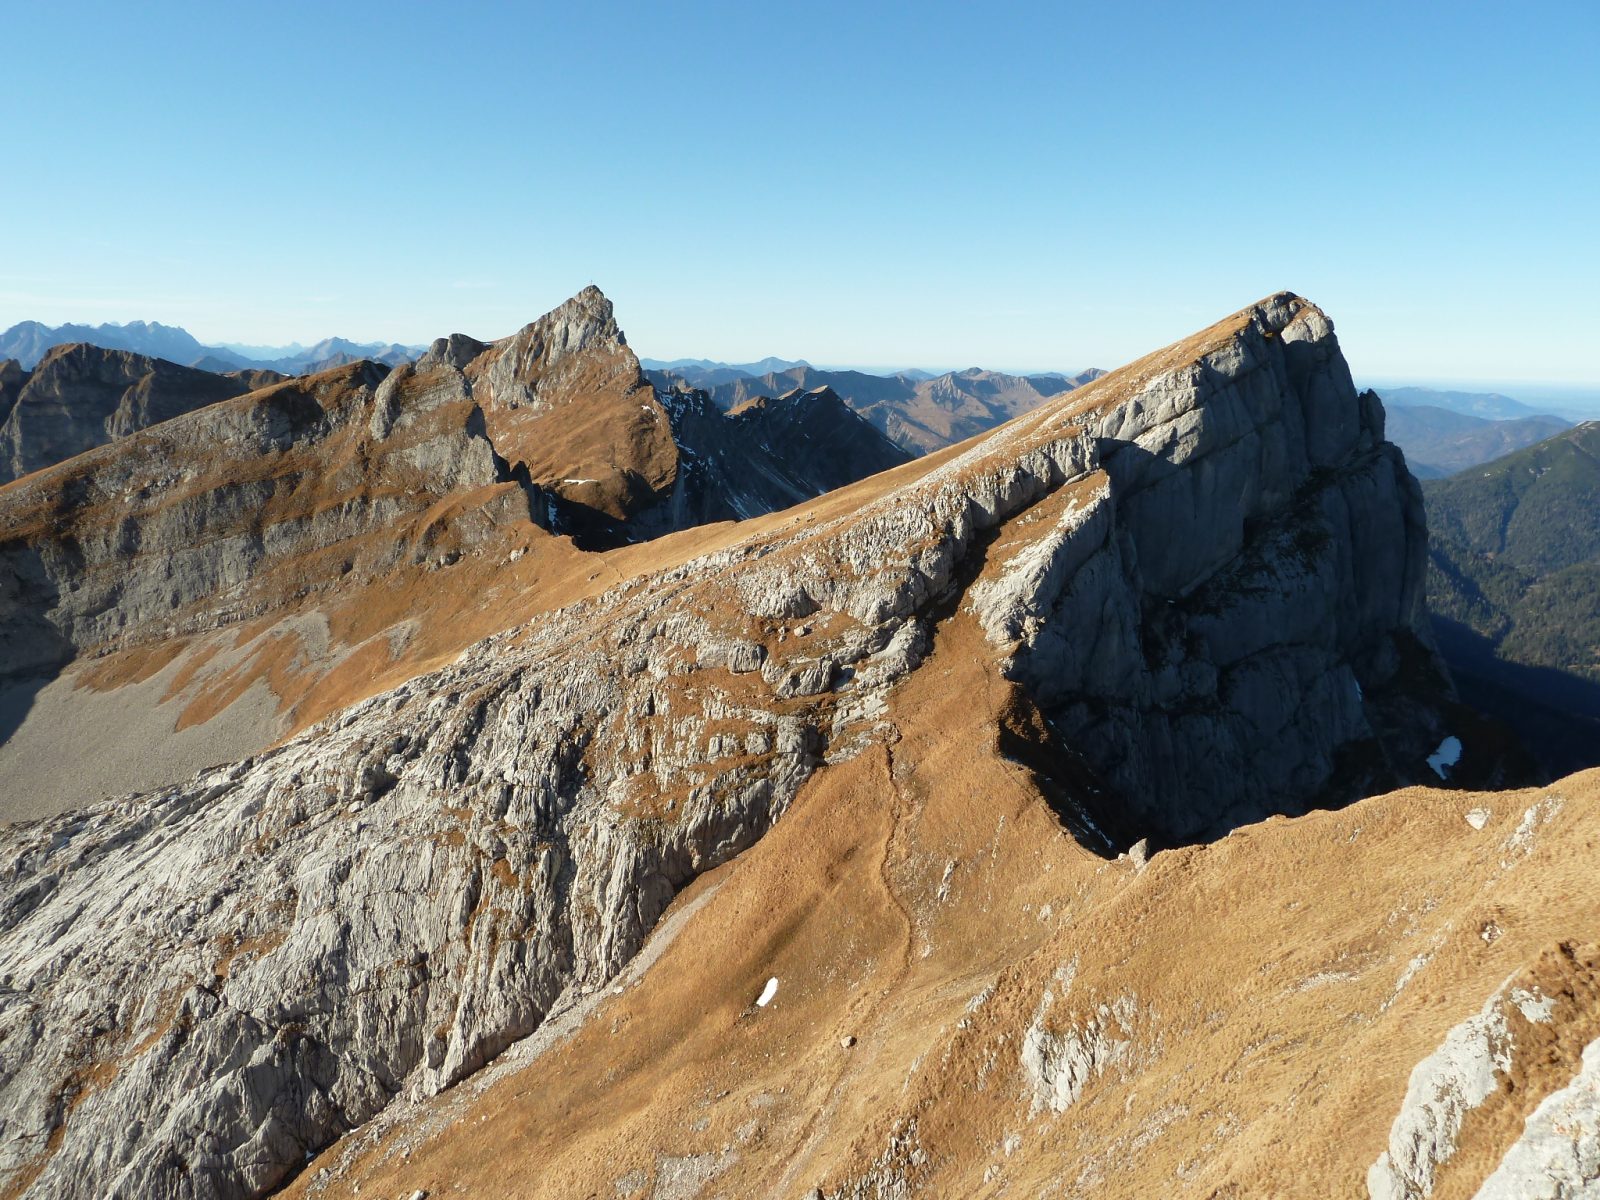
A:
1447, 755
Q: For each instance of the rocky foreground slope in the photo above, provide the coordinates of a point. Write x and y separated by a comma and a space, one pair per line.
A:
1181, 598
1396, 999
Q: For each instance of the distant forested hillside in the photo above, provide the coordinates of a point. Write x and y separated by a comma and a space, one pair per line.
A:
1514, 587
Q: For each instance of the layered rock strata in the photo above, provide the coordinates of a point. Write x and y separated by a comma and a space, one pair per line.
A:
314, 484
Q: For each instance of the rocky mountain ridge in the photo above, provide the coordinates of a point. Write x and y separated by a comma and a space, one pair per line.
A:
293, 535
1190, 595
917, 411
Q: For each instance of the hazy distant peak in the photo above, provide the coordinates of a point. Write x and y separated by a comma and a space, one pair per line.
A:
29, 341
1492, 405
766, 366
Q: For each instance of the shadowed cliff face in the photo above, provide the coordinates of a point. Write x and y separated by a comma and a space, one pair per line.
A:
1190, 595
1226, 625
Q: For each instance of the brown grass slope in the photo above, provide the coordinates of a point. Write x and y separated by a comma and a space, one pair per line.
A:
1245, 1014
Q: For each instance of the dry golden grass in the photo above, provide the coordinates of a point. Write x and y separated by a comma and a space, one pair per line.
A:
1269, 1043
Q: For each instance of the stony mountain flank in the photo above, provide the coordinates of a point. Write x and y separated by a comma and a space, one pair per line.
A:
1398, 998
295, 536
1183, 597
81, 396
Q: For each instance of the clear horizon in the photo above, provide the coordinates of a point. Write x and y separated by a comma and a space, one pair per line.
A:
1034, 185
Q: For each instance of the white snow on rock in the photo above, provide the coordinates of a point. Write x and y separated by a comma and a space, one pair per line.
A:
767, 993
1447, 755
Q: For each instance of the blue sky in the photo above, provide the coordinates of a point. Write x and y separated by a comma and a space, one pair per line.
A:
1012, 185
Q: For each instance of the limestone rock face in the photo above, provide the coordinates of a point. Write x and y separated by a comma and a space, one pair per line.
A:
1190, 565
1223, 625
228, 511
80, 396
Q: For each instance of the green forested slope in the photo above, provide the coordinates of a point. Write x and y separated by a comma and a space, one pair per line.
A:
1514, 587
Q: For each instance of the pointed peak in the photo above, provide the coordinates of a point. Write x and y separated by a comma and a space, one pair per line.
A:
581, 320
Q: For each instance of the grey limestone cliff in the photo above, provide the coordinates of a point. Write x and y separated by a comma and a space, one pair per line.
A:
1227, 625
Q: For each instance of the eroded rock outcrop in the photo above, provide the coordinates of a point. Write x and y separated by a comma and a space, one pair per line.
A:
1200, 556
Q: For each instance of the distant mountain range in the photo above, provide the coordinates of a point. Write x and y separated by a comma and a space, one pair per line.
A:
29, 341
917, 411
706, 373
1439, 442
1489, 405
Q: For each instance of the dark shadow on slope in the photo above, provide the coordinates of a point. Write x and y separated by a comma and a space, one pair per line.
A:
1556, 714
32, 650
17, 694
1068, 784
